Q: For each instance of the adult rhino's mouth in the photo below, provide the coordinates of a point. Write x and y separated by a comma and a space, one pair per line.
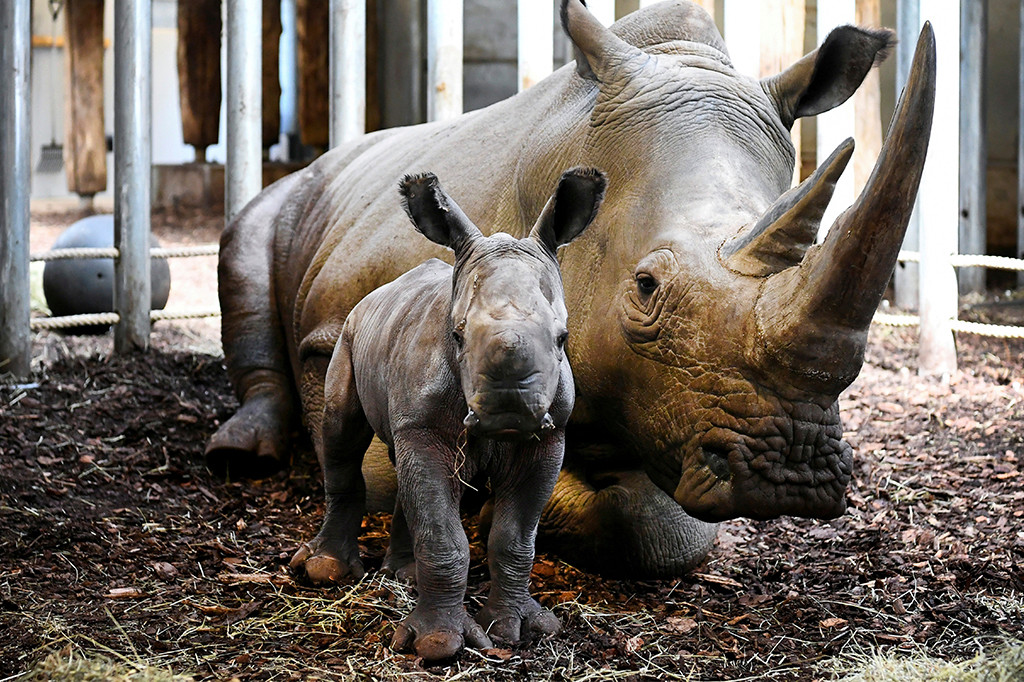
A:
802, 470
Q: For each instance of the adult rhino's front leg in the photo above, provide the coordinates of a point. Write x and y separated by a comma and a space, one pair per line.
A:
255, 439
620, 523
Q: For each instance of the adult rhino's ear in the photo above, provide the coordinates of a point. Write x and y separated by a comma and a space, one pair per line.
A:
434, 213
600, 54
571, 208
827, 77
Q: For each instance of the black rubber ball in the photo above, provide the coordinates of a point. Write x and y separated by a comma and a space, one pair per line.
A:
80, 286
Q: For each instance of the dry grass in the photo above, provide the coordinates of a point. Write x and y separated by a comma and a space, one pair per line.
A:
996, 662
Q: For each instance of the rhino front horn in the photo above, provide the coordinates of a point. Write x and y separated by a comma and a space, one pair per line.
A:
812, 319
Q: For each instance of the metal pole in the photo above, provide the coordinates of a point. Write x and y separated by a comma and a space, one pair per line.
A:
908, 25
536, 49
973, 147
444, 59
1020, 155
244, 124
348, 70
939, 201
15, 141
132, 155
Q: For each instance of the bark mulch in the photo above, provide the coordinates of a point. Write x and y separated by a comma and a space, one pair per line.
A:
117, 541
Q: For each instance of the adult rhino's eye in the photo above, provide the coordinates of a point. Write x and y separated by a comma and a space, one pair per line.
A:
459, 339
646, 284
562, 338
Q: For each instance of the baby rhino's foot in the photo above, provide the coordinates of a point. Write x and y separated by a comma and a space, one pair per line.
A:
326, 562
514, 625
436, 635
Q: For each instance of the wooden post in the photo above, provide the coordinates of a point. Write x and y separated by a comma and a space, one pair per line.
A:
840, 123
939, 199
199, 72
85, 149
271, 100
15, 144
199, 28
782, 44
444, 59
347, 70
536, 44
973, 147
908, 25
133, 68
867, 105
313, 29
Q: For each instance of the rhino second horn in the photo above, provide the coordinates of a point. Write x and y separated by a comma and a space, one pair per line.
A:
780, 239
813, 319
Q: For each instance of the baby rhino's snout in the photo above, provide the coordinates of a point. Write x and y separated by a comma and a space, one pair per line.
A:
515, 385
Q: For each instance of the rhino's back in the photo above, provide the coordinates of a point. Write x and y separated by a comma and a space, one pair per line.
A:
397, 341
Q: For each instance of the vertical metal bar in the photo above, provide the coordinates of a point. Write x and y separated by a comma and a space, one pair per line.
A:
15, 142
835, 126
908, 25
973, 147
536, 49
244, 123
939, 199
132, 156
348, 70
1020, 153
444, 59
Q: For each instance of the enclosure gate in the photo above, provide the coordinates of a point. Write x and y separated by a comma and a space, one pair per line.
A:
132, 120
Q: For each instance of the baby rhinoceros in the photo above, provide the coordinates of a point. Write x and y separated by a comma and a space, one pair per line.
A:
462, 373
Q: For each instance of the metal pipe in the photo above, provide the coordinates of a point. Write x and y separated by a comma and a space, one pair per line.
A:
973, 146
939, 199
908, 25
244, 124
536, 42
348, 70
444, 59
133, 41
15, 141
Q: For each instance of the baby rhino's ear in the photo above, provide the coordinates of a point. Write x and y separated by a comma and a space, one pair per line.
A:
571, 208
434, 213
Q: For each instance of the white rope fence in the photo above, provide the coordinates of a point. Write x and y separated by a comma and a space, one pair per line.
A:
90, 319
1003, 331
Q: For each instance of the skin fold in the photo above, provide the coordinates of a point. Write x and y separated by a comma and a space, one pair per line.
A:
710, 336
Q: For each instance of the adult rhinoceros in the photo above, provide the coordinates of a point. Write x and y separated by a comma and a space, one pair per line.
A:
710, 338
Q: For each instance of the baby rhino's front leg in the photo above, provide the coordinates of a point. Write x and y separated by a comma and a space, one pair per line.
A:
521, 490
429, 492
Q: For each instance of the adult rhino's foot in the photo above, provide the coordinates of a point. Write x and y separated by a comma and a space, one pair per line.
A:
513, 625
254, 441
326, 562
438, 634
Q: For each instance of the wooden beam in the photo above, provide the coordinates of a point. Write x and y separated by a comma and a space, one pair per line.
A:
271, 42
973, 148
867, 106
85, 149
313, 30
199, 82
782, 44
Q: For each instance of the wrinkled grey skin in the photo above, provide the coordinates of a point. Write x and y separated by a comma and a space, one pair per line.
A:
710, 336
462, 374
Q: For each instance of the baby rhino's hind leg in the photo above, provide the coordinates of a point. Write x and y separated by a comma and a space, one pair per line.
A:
345, 434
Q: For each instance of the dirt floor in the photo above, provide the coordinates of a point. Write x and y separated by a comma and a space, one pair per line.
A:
117, 541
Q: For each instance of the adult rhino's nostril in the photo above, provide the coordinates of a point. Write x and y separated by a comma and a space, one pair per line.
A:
471, 419
547, 423
716, 458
